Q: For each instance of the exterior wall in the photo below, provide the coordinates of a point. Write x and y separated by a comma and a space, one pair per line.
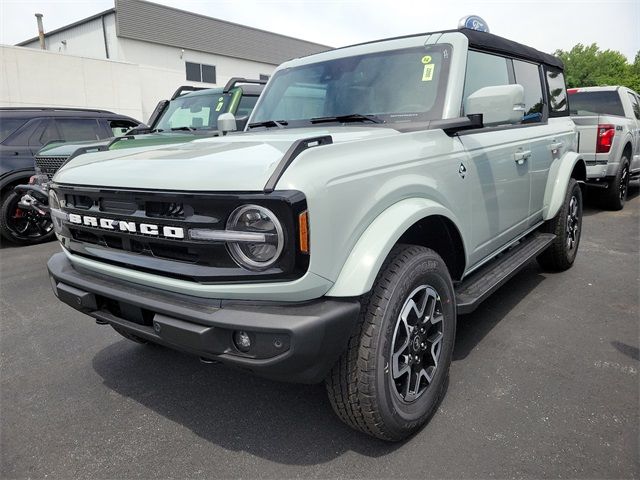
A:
84, 40
169, 58
30, 77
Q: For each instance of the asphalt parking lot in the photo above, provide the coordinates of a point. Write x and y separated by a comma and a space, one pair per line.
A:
544, 383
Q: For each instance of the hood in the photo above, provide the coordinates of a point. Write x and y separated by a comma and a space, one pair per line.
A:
144, 140
240, 162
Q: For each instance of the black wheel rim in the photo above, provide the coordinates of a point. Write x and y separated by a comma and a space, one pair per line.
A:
624, 183
417, 343
27, 224
573, 223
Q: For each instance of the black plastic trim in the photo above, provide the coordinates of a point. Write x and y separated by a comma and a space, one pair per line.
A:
294, 150
313, 333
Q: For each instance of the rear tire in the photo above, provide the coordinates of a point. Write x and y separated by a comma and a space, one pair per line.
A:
567, 226
394, 372
616, 195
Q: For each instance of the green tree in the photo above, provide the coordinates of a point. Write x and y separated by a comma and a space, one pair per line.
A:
587, 66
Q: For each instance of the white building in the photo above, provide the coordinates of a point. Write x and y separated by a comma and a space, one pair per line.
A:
140, 47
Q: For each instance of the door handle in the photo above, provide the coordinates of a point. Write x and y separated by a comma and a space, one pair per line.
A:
521, 156
555, 146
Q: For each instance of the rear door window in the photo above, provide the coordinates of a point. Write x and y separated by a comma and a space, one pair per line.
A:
79, 129
528, 75
635, 106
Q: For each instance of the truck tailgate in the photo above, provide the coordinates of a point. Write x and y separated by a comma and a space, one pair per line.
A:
588, 130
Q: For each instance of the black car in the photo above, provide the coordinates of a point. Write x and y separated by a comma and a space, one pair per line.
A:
23, 131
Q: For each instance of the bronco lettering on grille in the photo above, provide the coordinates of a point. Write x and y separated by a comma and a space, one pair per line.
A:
126, 226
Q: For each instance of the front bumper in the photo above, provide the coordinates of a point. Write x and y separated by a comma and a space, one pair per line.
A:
291, 341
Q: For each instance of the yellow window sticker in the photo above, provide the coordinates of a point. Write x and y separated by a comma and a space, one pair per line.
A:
426, 59
219, 106
427, 72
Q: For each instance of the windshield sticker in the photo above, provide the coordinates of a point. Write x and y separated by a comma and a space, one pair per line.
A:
426, 59
427, 72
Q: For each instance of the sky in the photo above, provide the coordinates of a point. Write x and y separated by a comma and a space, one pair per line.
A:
543, 24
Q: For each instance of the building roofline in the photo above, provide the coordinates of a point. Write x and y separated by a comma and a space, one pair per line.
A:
67, 27
208, 17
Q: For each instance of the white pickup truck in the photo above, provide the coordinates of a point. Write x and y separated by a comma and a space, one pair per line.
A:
608, 121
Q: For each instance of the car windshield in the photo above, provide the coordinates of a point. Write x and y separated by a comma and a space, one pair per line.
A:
384, 87
194, 112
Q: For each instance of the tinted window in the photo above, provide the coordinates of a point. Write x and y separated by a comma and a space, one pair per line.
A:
208, 74
46, 135
10, 125
193, 72
120, 127
635, 105
557, 93
595, 103
528, 75
78, 129
247, 102
484, 70
200, 73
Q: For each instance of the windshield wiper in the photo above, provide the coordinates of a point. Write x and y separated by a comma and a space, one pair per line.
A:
269, 123
186, 129
352, 117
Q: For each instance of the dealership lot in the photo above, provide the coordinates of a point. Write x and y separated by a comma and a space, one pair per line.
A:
544, 382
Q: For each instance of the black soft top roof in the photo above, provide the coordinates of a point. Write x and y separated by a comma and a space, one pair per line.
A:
494, 43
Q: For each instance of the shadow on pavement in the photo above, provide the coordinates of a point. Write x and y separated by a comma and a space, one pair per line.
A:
628, 350
472, 328
593, 199
285, 423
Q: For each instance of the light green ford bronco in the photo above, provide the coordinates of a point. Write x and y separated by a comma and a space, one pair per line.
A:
380, 190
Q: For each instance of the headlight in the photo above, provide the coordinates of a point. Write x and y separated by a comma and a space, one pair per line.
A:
254, 219
54, 201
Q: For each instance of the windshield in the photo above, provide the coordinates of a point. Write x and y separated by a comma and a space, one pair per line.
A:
394, 86
595, 103
194, 112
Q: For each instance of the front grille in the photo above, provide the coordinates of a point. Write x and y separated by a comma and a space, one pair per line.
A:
167, 255
50, 165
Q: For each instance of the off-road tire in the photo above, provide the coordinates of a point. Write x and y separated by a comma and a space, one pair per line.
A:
360, 386
129, 336
615, 195
559, 256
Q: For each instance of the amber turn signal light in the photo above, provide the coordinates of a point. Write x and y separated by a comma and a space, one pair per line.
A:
303, 231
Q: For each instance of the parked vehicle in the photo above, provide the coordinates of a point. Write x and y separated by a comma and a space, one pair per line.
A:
608, 120
192, 113
340, 236
23, 131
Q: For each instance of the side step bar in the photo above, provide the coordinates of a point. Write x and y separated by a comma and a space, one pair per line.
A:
473, 290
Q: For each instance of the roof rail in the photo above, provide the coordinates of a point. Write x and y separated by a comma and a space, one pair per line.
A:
64, 109
185, 88
232, 82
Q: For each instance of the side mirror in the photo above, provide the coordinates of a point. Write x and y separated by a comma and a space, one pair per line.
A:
499, 105
227, 123
241, 122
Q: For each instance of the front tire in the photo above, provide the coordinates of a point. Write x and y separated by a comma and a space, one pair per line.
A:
567, 227
23, 227
392, 376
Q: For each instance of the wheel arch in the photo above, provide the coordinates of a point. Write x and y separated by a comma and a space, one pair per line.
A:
628, 150
570, 165
415, 221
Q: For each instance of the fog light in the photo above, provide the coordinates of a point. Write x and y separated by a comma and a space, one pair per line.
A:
242, 341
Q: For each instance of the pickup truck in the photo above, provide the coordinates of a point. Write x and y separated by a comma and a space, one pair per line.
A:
378, 191
608, 121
